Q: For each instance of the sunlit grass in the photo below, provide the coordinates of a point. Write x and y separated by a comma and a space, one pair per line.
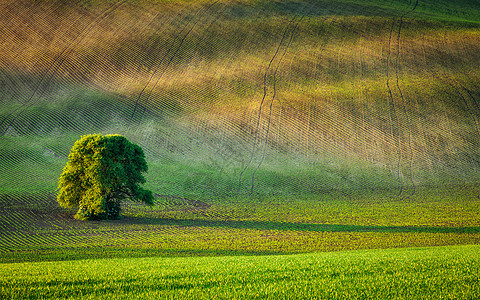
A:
419, 273
34, 228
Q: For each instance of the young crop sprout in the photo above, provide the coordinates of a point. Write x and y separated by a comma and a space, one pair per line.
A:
102, 171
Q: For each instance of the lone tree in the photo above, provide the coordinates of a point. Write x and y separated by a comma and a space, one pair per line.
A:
102, 171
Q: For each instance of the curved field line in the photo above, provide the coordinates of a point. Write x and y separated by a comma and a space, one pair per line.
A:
392, 100
59, 60
393, 109
447, 169
8, 30
182, 40
474, 108
179, 47
262, 101
56, 63
143, 56
292, 34
157, 68
8, 15
41, 64
458, 89
412, 182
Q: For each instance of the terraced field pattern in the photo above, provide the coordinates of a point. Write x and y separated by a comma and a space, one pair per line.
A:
270, 127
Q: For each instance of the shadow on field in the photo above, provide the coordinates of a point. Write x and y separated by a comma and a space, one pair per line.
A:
266, 225
79, 253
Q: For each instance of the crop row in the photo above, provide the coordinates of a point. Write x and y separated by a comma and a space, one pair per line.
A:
348, 102
431, 217
421, 273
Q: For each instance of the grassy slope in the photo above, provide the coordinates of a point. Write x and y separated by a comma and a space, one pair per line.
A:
420, 273
340, 94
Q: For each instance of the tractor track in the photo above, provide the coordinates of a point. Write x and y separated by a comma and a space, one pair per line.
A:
137, 101
269, 120
395, 111
405, 112
262, 102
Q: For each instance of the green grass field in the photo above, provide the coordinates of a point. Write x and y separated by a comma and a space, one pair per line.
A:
336, 221
414, 273
312, 149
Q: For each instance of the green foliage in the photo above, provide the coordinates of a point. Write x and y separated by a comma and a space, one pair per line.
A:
102, 171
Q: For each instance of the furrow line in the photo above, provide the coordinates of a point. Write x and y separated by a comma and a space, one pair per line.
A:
406, 115
269, 119
259, 114
60, 59
395, 127
170, 59
137, 101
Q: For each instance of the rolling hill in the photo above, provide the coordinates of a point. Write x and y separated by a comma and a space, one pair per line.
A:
272, 129
245, 97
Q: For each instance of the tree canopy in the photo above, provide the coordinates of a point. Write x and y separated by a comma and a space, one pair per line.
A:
102, 171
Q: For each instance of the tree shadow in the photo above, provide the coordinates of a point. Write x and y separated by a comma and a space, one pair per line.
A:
291, 226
